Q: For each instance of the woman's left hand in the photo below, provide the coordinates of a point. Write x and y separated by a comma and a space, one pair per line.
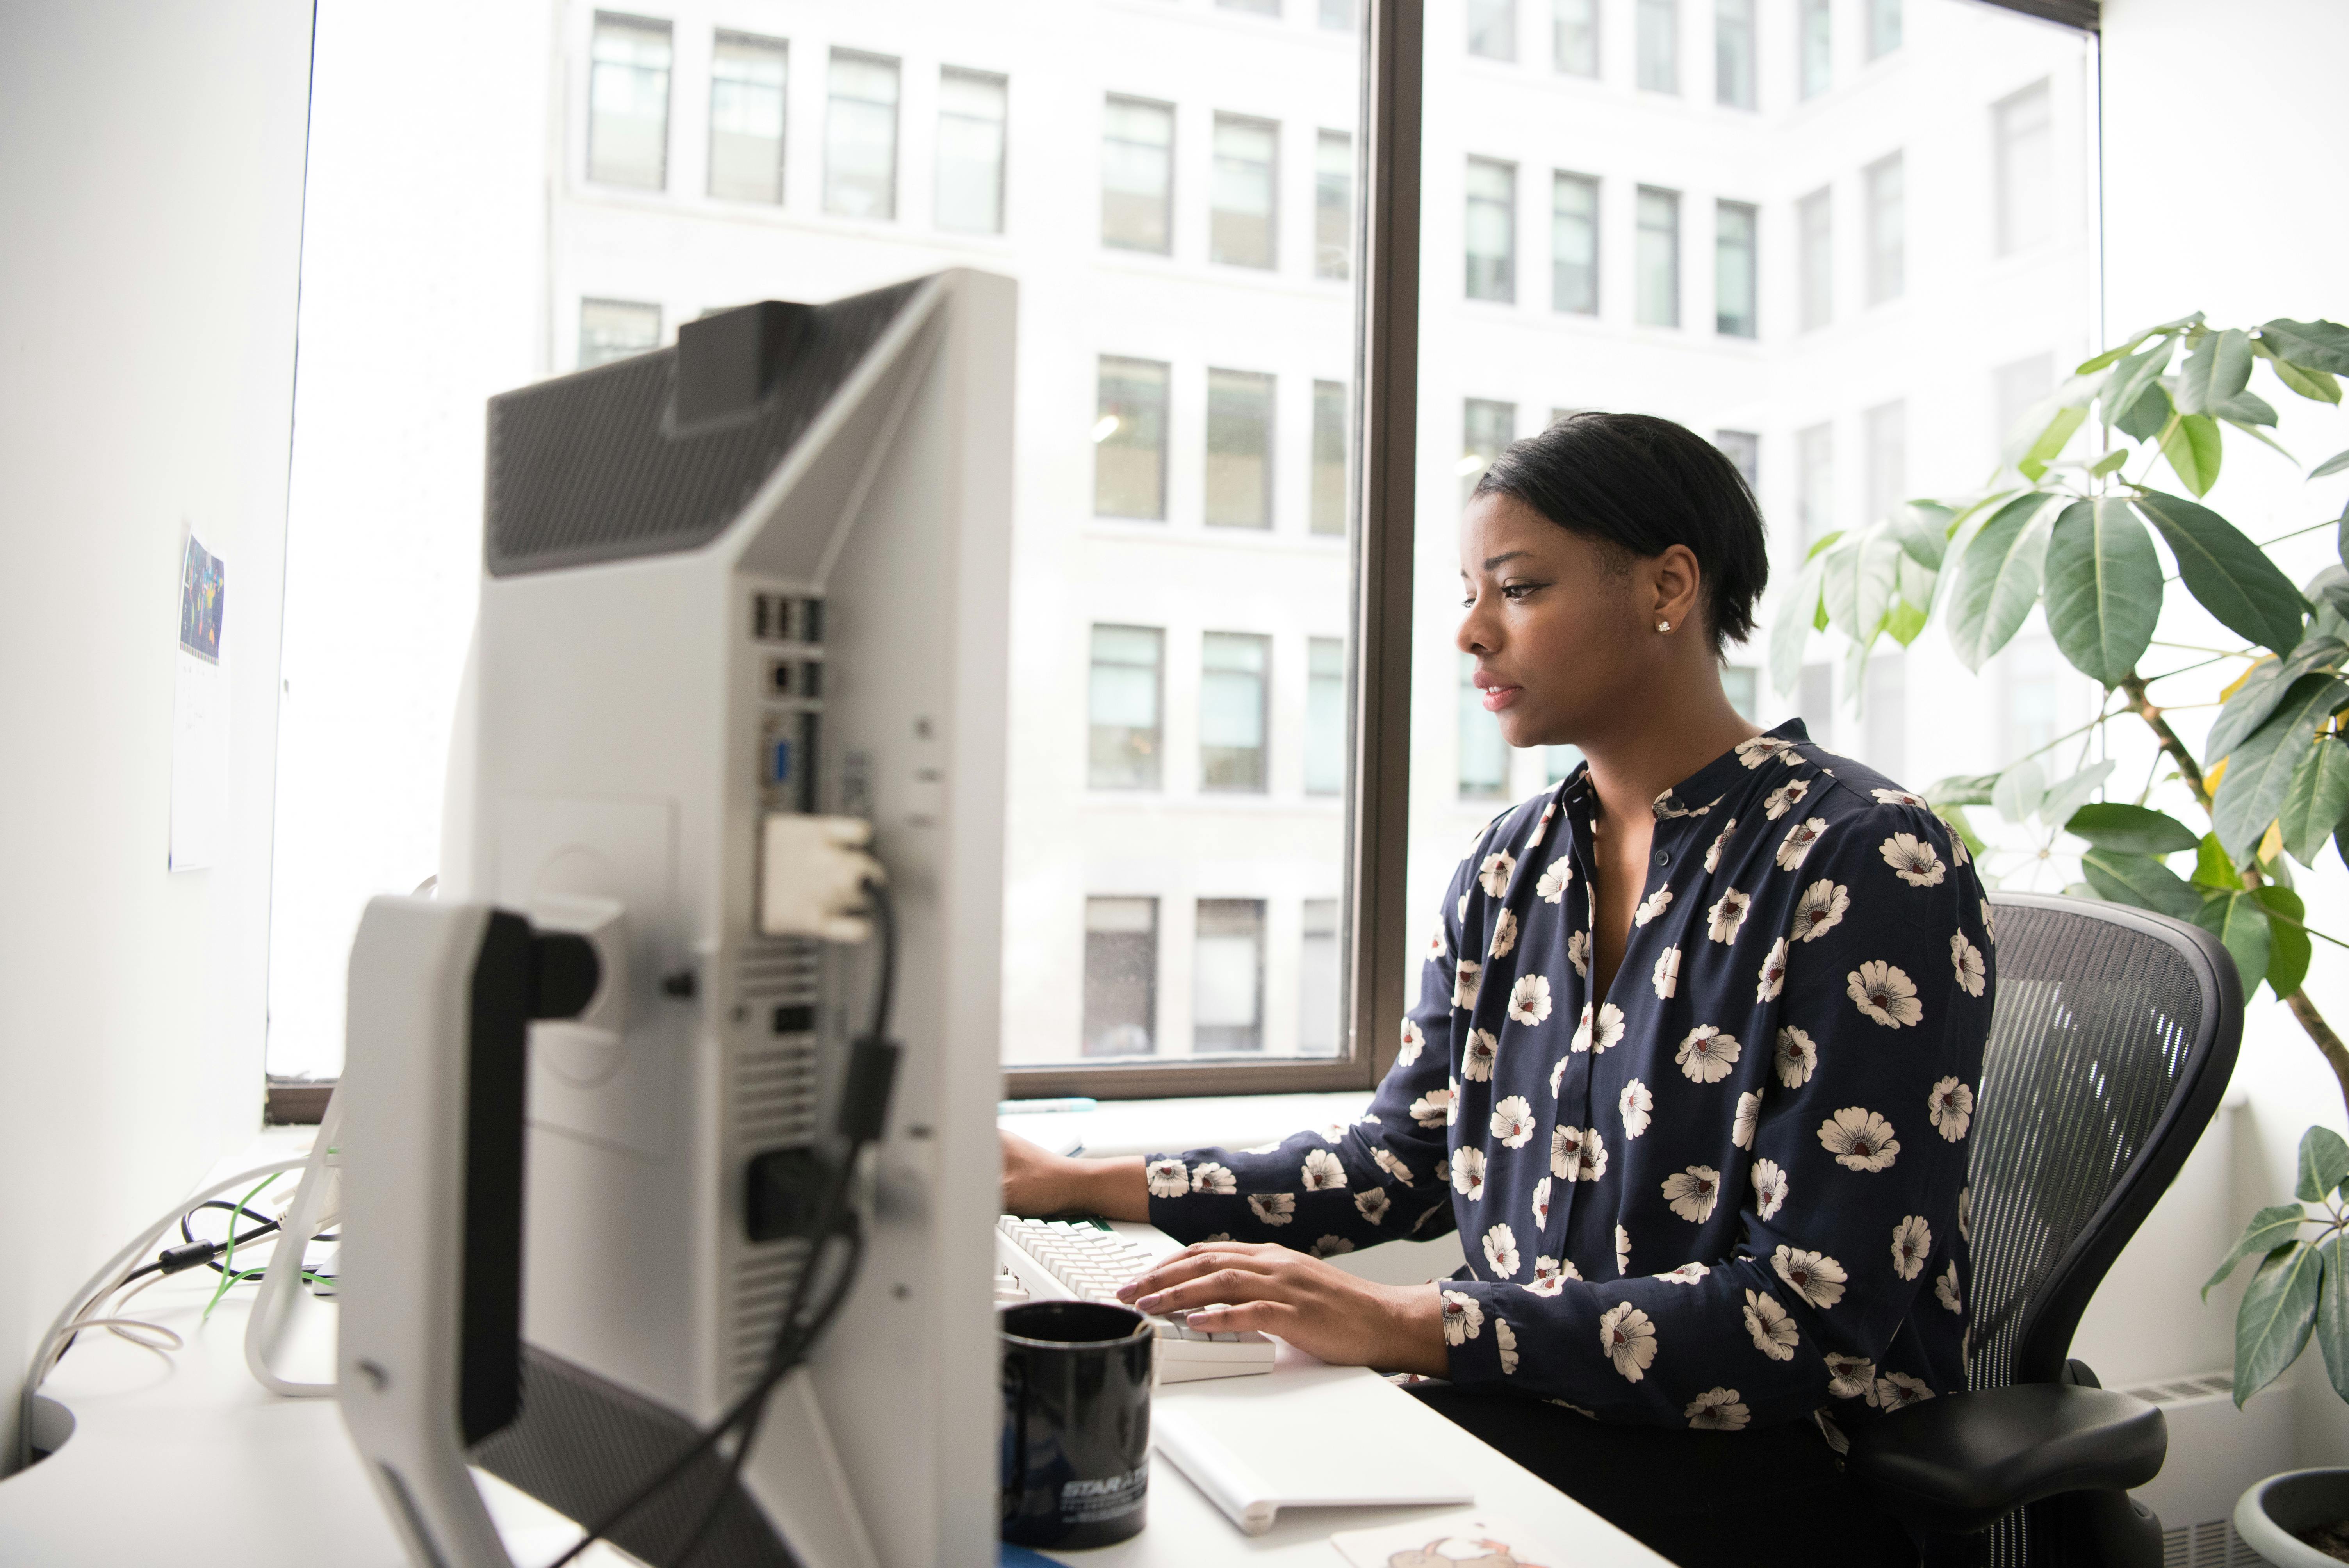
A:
1230, 1287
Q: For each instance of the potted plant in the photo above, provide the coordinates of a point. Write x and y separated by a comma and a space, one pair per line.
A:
2072, 526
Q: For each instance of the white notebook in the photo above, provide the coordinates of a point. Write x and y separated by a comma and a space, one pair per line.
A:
1253, 1468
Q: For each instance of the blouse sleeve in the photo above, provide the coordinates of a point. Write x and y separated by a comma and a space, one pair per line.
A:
1851, 1209
1333, 1189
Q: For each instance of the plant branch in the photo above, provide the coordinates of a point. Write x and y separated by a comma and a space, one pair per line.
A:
2187, 768
2186, 669
2336, 1055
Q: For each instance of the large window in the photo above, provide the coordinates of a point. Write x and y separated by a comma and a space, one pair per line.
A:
1128, 691
747, 80
1815, 507
1120, 1016
1329, 503
1239, 449
1240, 224
1888, 230
971, 112
1735, 282
2023, 168
1234, 668
1660, 45
1742, 447
1814, 221
1325, 716
1883, 27
1333, 204
1319, 973
860, 137
613, 329
1732, 54
1129, 439
1485, 426
1492, 229
627, 98
1227, 976
1574, 37
1138, 175
1814, 46
1493, 29
1574, 243
1658, 259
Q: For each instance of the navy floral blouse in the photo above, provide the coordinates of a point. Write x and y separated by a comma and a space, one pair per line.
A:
1732, 1190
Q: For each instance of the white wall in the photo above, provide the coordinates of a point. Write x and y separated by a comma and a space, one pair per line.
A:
2224, 192
152, 180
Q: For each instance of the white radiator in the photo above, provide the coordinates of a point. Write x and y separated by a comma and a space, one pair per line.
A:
2215, 1452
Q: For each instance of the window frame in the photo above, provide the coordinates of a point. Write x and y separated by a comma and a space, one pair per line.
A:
782, 48
833, 96
1002, 82
625, 19
1373, 919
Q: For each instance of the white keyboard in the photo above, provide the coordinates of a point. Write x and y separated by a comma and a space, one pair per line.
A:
1080, 1260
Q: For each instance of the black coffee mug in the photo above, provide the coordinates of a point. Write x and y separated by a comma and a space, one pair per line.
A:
1076, 1423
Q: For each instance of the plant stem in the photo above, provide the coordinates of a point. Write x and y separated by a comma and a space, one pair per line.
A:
2336, 1055
2187, 768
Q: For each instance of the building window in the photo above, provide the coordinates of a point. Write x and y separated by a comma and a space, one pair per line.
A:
747, 78
1121, 977
1130, 440
1659, 281
1574, 37
1325, 716
1814, 483
1330, 506
613, 329
1815, 54
627, 98
1333, 204
2015, 388
1124, 707
1485, 426
1338, 16
860, 153
1492, 229
1886, 429
1660, 45
1742, 685
1318, 1008
1227, 976
1814, 223
1574, 243
972, 108
1883, 27
1484, 755
1744, 449
1493, 29
1138, 176
1239, 221
1732, 54
1736, 290
2025, 175
1888, 230
1239, 449
1232, 682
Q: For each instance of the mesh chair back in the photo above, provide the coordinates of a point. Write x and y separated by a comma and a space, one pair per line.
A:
2112, 1040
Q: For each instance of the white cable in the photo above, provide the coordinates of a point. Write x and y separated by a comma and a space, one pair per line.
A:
281, 1296
110, 1279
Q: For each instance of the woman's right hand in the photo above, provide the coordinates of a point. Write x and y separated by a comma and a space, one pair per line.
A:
1037, 1181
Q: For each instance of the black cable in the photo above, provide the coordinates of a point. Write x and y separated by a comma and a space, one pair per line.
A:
885, 915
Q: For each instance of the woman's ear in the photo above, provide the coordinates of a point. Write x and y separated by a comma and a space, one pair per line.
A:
1679, 588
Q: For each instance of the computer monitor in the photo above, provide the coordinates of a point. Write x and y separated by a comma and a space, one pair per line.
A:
766, 571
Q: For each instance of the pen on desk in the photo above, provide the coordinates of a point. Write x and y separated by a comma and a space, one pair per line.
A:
1035, 1106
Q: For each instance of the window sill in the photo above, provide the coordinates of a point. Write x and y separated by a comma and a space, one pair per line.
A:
1158, 1125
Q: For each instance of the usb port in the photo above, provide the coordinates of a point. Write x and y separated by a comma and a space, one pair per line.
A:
799, 678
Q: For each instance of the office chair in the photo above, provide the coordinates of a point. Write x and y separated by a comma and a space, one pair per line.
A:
2114, 1036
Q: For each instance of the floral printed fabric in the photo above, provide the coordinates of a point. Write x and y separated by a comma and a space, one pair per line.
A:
1728, 1192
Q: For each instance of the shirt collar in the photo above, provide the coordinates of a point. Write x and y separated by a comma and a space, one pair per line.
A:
1697, 793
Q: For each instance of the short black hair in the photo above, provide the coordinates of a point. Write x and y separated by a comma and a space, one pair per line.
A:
1643, 485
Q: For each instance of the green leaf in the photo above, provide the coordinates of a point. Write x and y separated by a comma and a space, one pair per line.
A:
1906, 623
1824, 543
1961, 789
2324, 1165
2312, 344
2265, 687
2065, 797
2289, 948
2247, 409
2115, 825
2103, 588
1857, 582
2271, 1328
2259, 772
2230, 576
2110, 462
2140, 881
2317, 386
2261, 436
1998, 578
1790, 631
2051, 442
2132, 376
2316, 799
2217, 368
2213, 867
1921, 528
2332, 465
2018, 792
2270, 1228
2191, 444
2332, 1310
2147, 414
2239, 922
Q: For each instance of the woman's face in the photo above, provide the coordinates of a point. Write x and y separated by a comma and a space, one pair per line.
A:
1555, 622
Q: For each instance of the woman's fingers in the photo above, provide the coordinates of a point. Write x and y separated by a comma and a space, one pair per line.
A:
1219, 1287
1182, 1266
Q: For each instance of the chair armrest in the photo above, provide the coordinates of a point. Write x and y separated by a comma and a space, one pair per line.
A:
1956, 1463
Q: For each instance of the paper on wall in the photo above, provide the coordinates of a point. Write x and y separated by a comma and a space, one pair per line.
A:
200, 712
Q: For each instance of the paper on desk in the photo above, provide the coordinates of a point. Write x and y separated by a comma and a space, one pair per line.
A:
1452, 1541
1252, 1469
200, 713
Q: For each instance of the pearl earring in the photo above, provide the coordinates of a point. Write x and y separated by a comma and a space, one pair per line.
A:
1663, 625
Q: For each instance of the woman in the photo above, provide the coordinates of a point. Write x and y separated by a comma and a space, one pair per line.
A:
1691, 1071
